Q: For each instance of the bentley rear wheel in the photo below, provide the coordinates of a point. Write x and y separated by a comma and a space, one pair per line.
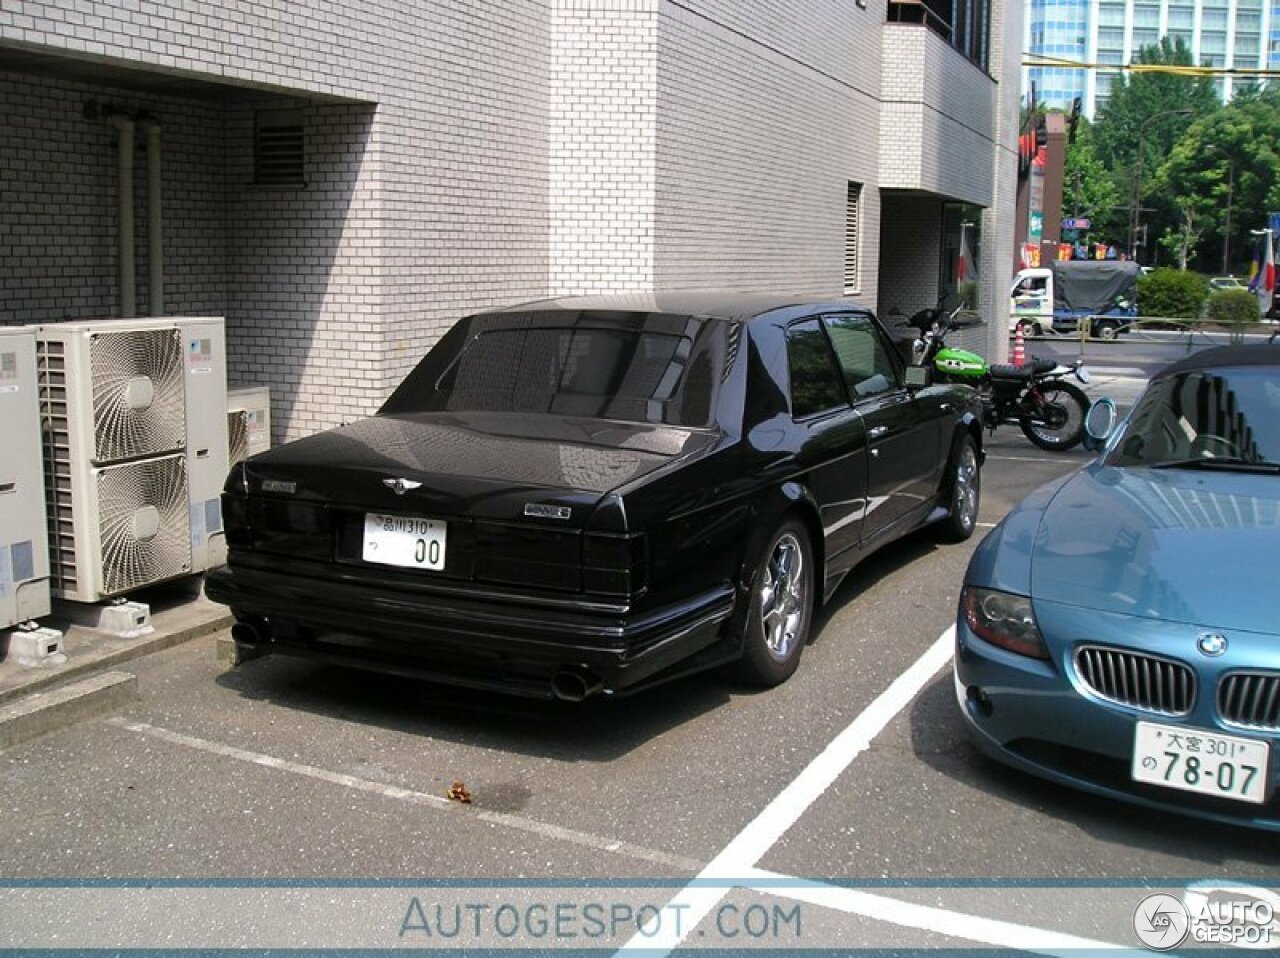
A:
781, 598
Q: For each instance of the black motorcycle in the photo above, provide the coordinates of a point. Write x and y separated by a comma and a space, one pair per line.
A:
1038, 396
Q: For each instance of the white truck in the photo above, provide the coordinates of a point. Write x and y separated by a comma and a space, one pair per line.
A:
1054, 299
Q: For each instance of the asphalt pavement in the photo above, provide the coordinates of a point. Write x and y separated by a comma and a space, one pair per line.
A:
290, 804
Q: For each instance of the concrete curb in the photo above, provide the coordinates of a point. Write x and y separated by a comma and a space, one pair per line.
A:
43, 712
84, 663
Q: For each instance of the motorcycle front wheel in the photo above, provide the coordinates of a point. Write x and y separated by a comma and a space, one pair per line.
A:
1053, 414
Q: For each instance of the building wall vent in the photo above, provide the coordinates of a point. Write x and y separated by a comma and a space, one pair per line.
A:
278, 157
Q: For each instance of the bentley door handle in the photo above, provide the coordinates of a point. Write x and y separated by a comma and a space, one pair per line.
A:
945, 407
875, 432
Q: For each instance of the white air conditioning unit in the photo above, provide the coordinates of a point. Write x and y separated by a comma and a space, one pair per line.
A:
248, 421
136, 442
24, 548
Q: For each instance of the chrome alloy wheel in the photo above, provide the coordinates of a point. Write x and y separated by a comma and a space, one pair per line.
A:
782, 596
965, 492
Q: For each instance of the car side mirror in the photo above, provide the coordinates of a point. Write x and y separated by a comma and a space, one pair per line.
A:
917, 377
1099, 423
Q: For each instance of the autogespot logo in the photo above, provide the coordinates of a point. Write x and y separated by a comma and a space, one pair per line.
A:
1161, 922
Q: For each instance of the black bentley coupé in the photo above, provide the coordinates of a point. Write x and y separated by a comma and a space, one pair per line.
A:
592, 495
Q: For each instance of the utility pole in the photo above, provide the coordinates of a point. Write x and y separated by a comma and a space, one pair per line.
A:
1135, 203
1226, 232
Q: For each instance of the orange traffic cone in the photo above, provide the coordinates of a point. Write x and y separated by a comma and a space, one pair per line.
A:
1019, 357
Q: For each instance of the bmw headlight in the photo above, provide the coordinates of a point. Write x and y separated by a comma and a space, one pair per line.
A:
1003, 619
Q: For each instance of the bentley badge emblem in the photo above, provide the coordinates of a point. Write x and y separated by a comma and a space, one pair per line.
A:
400, 486
543, 510
1211, 644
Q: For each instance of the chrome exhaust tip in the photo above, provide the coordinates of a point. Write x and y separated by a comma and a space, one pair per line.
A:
246, 634
575, 685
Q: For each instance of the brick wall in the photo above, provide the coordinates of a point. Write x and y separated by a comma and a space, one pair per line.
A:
426, 197
756, 147
459, 155
58, 193
604, 107
937, 118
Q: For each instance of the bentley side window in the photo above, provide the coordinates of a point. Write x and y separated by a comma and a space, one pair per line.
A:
815, 382
863, 355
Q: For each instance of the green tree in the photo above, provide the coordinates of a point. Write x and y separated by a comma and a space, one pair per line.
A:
1145, 114
1224, 173
1088, 190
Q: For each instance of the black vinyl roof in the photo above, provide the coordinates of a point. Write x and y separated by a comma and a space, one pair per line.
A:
1220, 357
718, 304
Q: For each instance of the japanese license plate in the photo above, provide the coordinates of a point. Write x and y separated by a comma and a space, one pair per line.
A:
407, 541
1208, 763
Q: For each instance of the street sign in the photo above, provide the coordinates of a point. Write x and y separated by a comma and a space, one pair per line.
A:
1273, 222
1076, 223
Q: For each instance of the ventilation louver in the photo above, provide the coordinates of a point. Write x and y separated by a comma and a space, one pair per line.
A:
237, 436
139, 406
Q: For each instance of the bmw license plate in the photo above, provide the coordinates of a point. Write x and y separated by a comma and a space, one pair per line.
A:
1208, 763
407, 541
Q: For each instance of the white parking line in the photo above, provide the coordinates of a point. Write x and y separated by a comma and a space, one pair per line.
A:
1022, 458
542, 829
942, 921
696, 900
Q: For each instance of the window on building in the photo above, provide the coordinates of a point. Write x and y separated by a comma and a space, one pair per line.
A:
852, 281
1111, 39
1146, 15
1111, 15
278, 141
962, 23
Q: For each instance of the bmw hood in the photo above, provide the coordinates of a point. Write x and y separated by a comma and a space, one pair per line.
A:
1179, 545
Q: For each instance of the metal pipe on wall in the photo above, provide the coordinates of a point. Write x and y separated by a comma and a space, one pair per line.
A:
155, 219
124, 197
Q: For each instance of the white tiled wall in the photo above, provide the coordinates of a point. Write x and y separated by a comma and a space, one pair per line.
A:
459, 155
758, 139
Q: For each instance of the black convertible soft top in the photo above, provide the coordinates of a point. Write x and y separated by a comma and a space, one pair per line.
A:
1222, 356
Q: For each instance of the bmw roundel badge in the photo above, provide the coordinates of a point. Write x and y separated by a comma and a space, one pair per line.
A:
1211, 644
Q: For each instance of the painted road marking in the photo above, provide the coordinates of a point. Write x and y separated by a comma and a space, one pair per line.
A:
942, 921
542, 829
1022, 458
743, 853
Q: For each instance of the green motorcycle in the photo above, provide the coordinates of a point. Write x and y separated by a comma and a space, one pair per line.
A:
1038, 396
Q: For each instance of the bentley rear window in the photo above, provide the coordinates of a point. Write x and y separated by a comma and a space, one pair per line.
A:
655, 369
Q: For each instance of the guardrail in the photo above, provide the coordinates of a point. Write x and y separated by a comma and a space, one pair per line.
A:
1135, 330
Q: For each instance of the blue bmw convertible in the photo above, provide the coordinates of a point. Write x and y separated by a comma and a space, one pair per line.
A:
1119, 631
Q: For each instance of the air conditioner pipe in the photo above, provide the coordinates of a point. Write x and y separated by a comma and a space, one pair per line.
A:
124, 197
155, 218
